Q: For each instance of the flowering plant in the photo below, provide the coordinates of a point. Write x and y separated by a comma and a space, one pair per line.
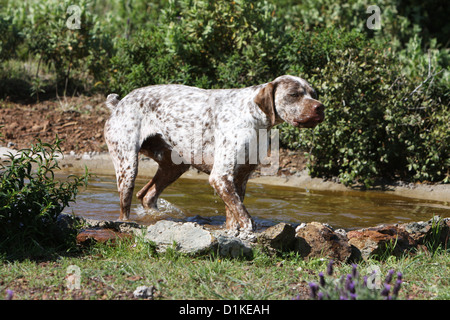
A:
353, 287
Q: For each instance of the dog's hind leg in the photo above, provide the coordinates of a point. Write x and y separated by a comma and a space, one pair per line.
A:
167, 173
125, 160
126, 172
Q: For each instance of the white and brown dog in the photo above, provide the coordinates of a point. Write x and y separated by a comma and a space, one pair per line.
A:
160, 121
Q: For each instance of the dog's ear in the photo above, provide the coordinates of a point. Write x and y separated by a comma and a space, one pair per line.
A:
265, 99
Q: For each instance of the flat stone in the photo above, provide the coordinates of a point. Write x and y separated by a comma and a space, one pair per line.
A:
120, 226
88, 236
185, 237
192, 238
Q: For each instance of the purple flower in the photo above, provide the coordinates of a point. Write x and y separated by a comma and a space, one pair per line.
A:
385, 291
353, 296
396, 289
320, 296
9, 294
330, 268
321, 279
354, 271
399, 276
389, 276
351, 287
365, 281
313, 289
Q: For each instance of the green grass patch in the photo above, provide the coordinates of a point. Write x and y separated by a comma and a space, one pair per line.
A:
115, 271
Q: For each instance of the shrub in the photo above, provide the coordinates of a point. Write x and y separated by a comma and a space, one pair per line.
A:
31, 200
69, 51
144, 60
202, 43
10, 37
377, 124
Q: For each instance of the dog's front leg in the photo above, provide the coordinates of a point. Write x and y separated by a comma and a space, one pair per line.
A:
237, 215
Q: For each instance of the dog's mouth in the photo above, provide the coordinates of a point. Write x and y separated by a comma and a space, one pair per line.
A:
308, 122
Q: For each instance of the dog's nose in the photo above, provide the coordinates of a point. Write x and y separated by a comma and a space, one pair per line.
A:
319, 108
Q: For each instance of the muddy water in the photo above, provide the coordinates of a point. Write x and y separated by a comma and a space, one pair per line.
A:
187, 198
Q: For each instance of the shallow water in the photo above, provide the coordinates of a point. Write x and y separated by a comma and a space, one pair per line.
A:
268, 204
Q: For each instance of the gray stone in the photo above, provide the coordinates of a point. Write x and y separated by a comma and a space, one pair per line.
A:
119, 226
231, 246
185, 237
144, 292
436, 230
191, 238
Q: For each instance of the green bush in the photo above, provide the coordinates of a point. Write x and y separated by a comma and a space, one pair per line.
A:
376, 124
202, 43
69, 51
10, 37
32, 199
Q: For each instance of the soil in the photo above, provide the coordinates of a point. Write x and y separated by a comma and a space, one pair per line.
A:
79, 122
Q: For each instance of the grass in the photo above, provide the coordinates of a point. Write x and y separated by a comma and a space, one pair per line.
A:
115, 271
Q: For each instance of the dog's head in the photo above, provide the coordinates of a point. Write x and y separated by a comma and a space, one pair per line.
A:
290, 99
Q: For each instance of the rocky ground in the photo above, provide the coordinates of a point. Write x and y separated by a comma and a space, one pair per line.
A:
309, 240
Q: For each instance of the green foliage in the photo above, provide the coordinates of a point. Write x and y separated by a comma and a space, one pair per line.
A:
385, 91
377, 123
68, 50
31, 199
202, 43
10, 37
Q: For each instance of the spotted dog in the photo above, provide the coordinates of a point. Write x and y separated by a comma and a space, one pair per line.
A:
181, 127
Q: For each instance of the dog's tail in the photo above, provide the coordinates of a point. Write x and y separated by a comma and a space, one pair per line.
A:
112, 101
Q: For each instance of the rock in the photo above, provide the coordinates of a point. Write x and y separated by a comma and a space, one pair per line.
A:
88, 236
192, 238
234, 247
280, 237
316, 240
375, 241
66, 226
185, 237
435, 231
144, 292
67, 222
119, 226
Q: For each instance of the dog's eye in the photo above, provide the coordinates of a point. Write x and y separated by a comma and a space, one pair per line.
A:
295, 95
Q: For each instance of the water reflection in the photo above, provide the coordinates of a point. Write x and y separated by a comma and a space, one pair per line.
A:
265, 203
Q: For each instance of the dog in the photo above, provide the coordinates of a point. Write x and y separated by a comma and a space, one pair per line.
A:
160, 121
